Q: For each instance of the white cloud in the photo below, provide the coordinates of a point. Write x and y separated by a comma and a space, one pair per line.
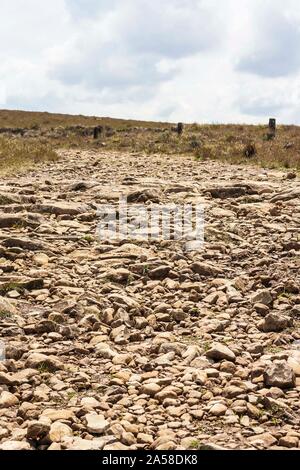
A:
124, 46
274, 49
190, 60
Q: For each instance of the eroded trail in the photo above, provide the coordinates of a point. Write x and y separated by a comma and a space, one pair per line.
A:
128, 345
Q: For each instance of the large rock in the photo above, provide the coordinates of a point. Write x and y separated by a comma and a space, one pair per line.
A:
43, 362
150, 389
218, 352
280, 374
96, 424
120, 275
143, 196
59, 431
90, 402
265, 440
295, 365
290, 442
219, 409
23, 376
24, 244
8, 400
95, 444
28, 411
37, 430
6, 379
275, 323
294, 361
205, 269
61, 208
15, 445
21, 283
233, 191
161, 272
123, 300
263, 297
58, 415
41, 259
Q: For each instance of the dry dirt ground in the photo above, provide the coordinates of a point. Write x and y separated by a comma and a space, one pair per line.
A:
138, 345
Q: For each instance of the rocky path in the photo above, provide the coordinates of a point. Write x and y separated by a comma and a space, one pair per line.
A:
127, 345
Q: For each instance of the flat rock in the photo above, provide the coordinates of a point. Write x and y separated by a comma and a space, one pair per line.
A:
61, 208
96, 424
59, 431
151, 389
263, 297
275, 323
206, 269
90, 402
84, 444
8, 400
235, 191
218, 409
15, 445
219, 352
47, 363
280, 375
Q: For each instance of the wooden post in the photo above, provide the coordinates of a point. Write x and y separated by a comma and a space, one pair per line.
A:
180, 128
272, 128
96, 133
98, 130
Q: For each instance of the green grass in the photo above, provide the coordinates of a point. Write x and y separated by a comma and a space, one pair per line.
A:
4, 315
89, 238
71, 395
190, 339
44, 368
206, 346
195, 445
9, 286
274, 349
146, 270
130, 280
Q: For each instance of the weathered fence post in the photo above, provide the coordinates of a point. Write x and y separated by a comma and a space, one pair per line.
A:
272, 128
179, 128
96, 132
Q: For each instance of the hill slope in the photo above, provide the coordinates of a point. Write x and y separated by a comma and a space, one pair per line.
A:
240, 144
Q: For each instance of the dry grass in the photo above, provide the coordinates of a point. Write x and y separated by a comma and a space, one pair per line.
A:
16, 154
232, 143
29, 120
241, 144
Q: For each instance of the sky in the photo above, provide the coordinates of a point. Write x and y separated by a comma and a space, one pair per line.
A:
214, 61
